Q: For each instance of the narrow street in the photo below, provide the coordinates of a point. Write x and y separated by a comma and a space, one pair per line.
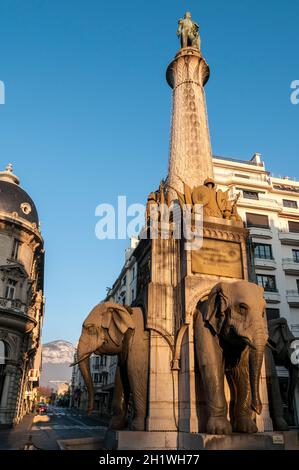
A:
46, 430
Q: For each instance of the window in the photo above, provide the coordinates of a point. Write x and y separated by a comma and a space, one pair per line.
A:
96, 362
133, 294
124, 280
263, 251
103, 360
15, 249
257, 220
297, 281
267, 282
289, 203
293, 226
250, 194
133, 272
295, 256
10, 289
96, 378
272, 313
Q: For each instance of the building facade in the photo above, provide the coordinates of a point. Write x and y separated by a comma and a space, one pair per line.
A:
102, 370
21, 299
269, 206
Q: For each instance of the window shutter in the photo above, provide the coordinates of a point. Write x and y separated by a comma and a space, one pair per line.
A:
257, 220
293, 226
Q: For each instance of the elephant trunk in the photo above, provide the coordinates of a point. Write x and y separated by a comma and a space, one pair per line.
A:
256, 356
85, 371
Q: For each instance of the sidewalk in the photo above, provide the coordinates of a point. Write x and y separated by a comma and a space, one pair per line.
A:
16, 437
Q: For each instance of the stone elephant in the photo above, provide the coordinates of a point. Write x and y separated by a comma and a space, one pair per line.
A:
279, 354
113, 329
230, 336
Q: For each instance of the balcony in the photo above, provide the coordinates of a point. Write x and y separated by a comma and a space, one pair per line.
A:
260, 232
265, 263
289, 238
290, 266
272, 297
293, 298
14, 316
12, 304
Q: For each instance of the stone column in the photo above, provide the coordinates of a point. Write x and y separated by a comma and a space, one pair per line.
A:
163, 306
190, 148
7, 404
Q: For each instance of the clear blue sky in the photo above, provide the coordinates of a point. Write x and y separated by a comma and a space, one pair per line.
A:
87, 115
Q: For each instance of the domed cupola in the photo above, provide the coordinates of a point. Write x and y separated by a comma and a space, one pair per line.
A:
14, 199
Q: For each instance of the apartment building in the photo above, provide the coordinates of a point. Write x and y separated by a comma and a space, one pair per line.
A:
21, 299
269, 206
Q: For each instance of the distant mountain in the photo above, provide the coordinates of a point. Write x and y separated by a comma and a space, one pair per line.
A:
56, 359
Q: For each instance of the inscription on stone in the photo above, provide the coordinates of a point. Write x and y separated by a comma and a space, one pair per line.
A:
218, 257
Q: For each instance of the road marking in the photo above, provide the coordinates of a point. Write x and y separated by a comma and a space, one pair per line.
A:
57, 427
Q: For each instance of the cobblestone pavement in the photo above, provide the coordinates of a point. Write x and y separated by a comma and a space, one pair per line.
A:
45, 430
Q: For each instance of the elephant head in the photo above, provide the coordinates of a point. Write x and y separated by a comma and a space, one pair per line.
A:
102, 333
235, 312
281, 337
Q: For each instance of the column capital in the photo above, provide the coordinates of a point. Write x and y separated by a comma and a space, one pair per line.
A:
188, 66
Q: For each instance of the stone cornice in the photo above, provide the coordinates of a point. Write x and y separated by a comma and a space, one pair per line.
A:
22, 224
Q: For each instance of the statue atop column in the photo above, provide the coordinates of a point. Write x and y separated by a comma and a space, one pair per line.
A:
188, 31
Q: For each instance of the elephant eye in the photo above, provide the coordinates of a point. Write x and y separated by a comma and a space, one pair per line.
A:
90, 329
242, 309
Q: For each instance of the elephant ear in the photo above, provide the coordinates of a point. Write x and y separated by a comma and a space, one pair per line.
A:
217, 305
117, 319
286, 333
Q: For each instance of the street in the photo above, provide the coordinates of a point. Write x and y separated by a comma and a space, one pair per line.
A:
46, 429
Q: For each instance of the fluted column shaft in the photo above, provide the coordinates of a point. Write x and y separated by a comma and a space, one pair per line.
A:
190, 157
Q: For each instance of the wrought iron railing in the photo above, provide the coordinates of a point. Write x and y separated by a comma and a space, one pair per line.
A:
291, 260
293, 292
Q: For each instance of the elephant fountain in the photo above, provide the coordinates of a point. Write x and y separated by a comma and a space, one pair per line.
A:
113, 329
230, 339
279, 354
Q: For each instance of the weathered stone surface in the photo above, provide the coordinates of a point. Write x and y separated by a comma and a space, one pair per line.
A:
166, 440
190, 148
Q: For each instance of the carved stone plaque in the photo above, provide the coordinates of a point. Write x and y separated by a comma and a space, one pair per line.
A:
219, 258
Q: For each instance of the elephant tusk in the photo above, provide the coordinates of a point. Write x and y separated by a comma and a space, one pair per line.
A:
80, 360
248, 342
270, 345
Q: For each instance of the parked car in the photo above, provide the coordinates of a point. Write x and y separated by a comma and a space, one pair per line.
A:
41, 408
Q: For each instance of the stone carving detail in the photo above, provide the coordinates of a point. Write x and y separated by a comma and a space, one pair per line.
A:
215, 202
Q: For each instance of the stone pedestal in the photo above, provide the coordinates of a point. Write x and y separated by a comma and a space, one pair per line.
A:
130, 440
179, 280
